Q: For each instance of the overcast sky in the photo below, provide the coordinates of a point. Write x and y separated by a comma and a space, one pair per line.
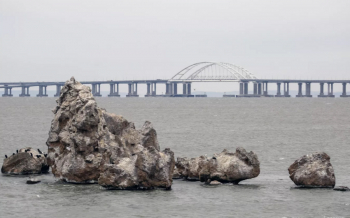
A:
103, 40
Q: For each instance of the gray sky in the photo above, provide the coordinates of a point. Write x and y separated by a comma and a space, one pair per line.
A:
103, 40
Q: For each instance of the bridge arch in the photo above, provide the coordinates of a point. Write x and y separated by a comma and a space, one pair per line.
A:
213, 71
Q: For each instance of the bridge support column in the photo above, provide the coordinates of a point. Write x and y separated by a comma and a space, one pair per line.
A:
154, 90
42, 92
286, 89
8, 92
132, 90
279, 90
260, 89
58, 91
308, 90
330, 90
112, 92
344, 91
175, 89
184, 89
96, 89
266, 90
241, 88
245, 88
189, 90
322, 95
300, 90
255, 89
167, 89
25, 92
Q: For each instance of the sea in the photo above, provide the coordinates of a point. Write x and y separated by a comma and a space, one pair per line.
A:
278, 130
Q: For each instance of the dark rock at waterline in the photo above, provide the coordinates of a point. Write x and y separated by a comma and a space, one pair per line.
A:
33, 181
88, 145
224, 167
341, 188
24, 162
313, 170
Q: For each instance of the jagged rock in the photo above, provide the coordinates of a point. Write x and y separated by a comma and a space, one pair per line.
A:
26, 161
145, 170
189, 168
176, 174
224, 167
88, 145
231, 167
312, 170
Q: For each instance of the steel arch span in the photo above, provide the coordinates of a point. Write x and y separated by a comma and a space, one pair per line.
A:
212, 71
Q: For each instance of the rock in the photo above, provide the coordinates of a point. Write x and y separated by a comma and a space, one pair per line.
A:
313, 170
176, 174
189, 168
341, 188
33, 181
231, 167
224, 167
215, 183
26, 161
145, 170
88, 145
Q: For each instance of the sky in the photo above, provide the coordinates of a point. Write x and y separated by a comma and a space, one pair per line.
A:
137, 39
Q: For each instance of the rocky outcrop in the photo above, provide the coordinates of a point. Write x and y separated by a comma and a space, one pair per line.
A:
224, 167
25, 161
313, 170
88, 145
189, 168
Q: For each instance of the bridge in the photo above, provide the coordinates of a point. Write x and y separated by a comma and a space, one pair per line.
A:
198, 72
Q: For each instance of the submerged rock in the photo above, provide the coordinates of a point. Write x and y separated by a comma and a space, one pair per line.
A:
26, 161
224, 167
313, 170
33, 181
341, 188
88, 145
215, 183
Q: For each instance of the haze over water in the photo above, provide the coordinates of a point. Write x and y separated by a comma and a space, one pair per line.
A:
279, 131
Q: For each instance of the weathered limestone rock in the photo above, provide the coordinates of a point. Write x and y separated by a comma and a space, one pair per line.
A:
231, 167
26, 161
189, 168
146, 170
224, 167
313, 170
88, 145
176, 174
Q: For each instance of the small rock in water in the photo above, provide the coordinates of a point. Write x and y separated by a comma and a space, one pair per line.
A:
215, 183
341, 188
33, 181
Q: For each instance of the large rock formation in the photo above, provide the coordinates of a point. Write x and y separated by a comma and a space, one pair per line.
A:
88, 145
26, 161
313, 170
224, 167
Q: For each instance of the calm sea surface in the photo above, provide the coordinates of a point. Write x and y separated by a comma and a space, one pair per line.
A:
278, 130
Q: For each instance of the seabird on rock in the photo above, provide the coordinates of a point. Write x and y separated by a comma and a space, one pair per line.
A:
38, 156
214, 158
5, 156
31, 154
13, 153
39, 151
17, 151
45, 155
